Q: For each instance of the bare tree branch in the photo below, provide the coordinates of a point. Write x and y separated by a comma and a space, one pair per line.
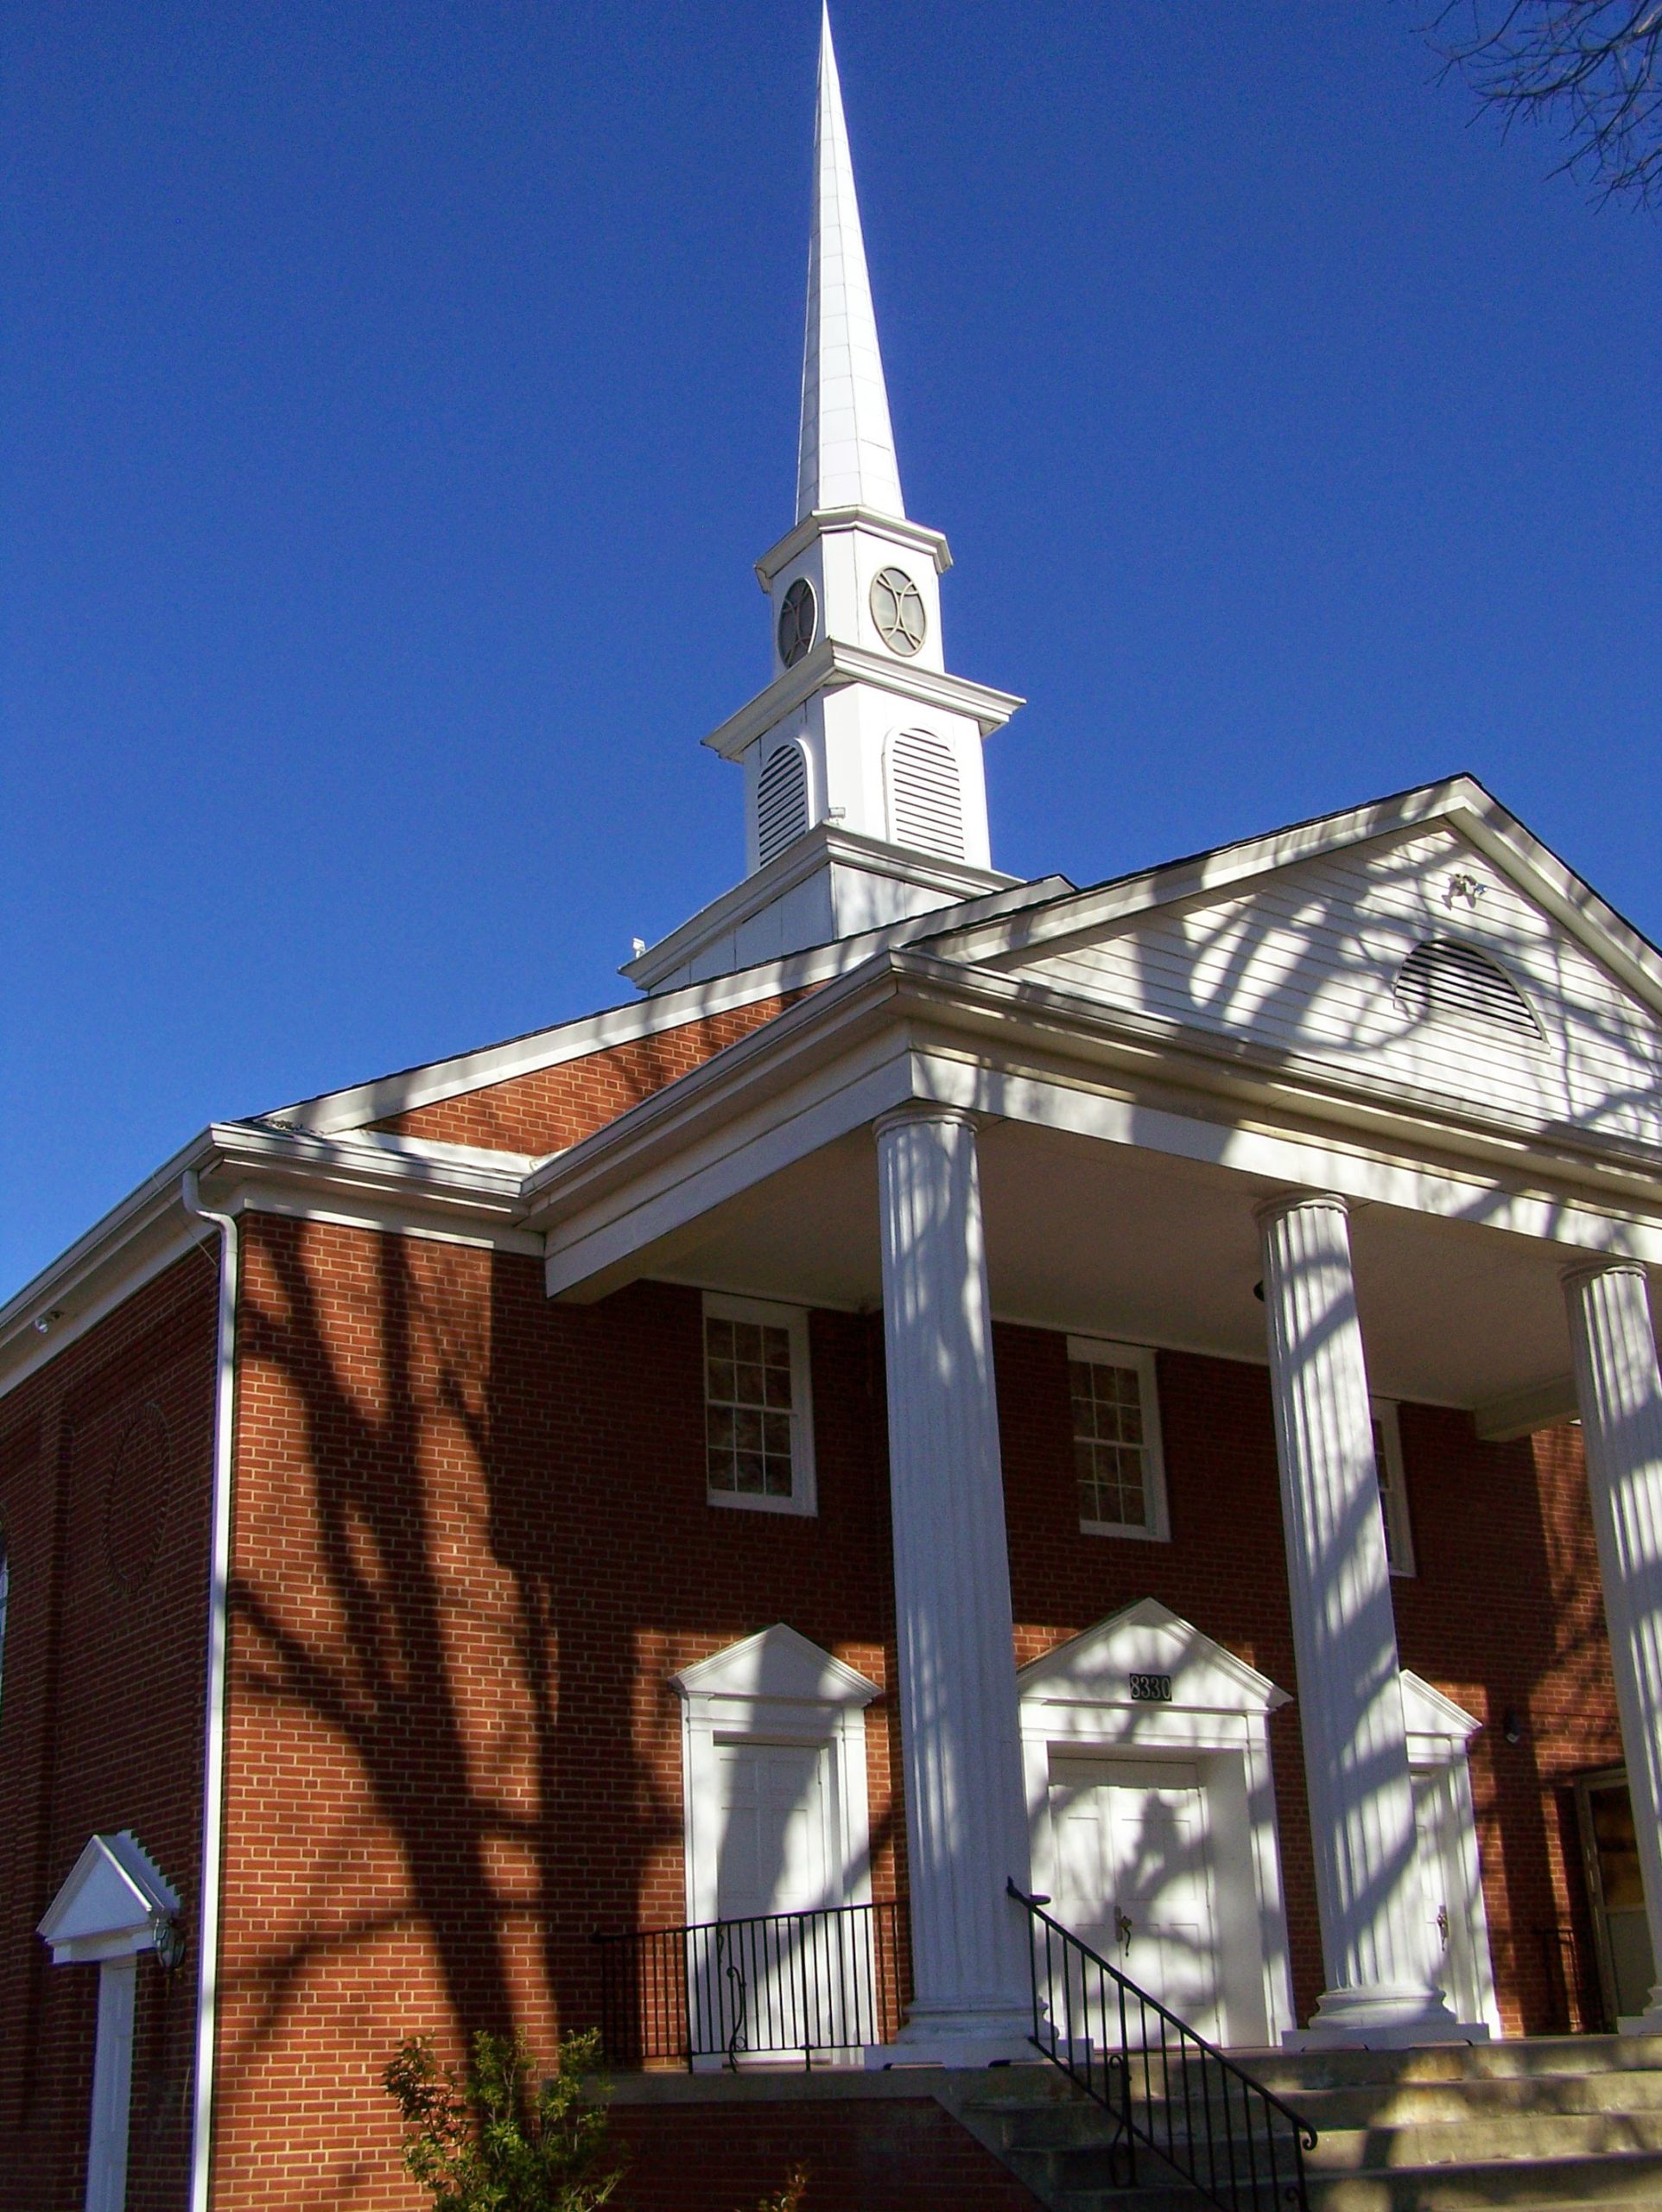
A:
1590, 69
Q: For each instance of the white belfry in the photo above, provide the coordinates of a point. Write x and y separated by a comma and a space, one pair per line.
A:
1619, 1390
1378, 1972
848, 455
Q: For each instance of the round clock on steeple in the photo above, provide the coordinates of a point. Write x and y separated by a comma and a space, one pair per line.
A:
897, 610
797, 618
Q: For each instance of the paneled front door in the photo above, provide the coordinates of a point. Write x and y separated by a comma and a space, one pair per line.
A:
1133, 1876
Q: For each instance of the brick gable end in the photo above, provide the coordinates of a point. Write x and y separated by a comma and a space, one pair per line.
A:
549, 1108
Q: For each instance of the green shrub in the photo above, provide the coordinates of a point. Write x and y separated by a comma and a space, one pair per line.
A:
483, 2142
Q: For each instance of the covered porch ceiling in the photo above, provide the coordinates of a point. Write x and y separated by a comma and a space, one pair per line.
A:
1111, 1240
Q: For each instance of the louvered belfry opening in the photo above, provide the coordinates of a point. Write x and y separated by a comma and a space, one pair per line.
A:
1444, 981
781, 802
926, 802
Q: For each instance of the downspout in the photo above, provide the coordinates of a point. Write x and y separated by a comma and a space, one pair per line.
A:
225, 1410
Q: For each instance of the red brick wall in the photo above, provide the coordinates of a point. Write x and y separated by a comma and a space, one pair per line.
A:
106, 1467
554, 1106
905, 2155
471, 1545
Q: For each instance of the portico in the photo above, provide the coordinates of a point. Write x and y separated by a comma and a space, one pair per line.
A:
954, 1144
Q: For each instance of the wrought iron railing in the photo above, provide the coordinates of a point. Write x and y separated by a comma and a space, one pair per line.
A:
817, 1985
1167, 2088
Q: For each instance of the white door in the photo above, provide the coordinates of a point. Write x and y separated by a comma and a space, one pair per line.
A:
764, 1981
1451, 1938
1133, 1876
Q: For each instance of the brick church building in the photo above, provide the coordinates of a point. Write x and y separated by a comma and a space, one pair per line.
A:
1148, 1391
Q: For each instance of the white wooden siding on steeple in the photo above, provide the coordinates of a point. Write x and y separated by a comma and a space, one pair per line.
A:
847, 456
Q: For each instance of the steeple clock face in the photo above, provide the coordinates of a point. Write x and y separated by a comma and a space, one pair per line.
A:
897, 610
798, 617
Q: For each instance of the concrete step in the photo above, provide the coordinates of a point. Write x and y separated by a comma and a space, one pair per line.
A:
1528, 2059
1628, 2178
1525, 2137
1418, 2103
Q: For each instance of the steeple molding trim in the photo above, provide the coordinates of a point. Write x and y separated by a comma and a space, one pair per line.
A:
833, 664
826, 522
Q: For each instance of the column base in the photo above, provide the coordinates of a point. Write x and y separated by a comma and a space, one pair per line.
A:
1647, 2023
1382, 2018
968, 2036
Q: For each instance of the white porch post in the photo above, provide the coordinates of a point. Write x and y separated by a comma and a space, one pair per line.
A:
1374, 1946
960, 1730
1618, 1391
112, 2087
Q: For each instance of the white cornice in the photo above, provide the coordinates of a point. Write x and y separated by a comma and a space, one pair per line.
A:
833, 663
828, 522
820, 1067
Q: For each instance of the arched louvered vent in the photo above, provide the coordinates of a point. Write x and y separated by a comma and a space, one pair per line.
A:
1445, 982
781, 802
926, 806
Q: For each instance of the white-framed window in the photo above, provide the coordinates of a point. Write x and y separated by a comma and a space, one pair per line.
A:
1394, 1495
759, 1412
1117, 1463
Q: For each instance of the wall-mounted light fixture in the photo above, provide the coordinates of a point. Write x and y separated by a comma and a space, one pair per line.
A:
44, 1323
1512, 1726
167, 1938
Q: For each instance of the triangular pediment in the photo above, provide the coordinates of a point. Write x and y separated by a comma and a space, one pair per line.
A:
1427, 1712
1506, 1009
1148, 1641
777, 1666
110, 1902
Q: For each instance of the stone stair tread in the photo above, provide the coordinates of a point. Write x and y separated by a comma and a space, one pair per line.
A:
1546, 2184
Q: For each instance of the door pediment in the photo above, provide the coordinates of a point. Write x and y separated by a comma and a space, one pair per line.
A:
777, 1666
110, 1903
1149, 1641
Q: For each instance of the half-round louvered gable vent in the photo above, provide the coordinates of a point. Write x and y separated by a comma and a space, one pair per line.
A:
781, 802
926, 805
1446, 981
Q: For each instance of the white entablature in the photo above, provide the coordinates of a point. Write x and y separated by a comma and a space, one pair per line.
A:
862, 737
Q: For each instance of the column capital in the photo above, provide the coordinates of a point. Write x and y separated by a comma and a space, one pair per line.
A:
1604, 1263
1282, 1203
925, 1110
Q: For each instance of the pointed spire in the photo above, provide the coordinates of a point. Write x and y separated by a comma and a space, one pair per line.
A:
848, 455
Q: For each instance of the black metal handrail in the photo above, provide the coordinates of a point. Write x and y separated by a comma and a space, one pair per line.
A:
833, 1979
1167, 2087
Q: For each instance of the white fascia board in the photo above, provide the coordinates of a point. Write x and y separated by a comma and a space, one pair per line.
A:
373, 1181
833, 663
995, 1046
137, 1240
386, 1095
1460, 801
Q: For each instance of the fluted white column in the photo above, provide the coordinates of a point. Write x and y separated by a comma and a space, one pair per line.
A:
1619, 1392
1375, 1948
960, 1738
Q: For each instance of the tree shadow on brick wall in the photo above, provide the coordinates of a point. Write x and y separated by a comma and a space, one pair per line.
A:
378, 1670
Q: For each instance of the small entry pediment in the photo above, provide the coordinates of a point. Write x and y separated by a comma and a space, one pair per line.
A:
1148, 1641
109, 1906
1428, 1712
777, 1666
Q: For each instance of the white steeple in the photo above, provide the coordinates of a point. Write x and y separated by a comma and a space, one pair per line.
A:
846, 457
864, 795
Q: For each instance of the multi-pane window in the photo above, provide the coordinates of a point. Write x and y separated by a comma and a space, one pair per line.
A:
757, 1448
1116, 1425
1394, 1495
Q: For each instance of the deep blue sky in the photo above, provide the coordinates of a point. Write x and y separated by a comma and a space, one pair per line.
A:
395, 398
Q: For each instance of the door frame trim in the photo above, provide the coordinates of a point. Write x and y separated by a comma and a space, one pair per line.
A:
775, 1687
